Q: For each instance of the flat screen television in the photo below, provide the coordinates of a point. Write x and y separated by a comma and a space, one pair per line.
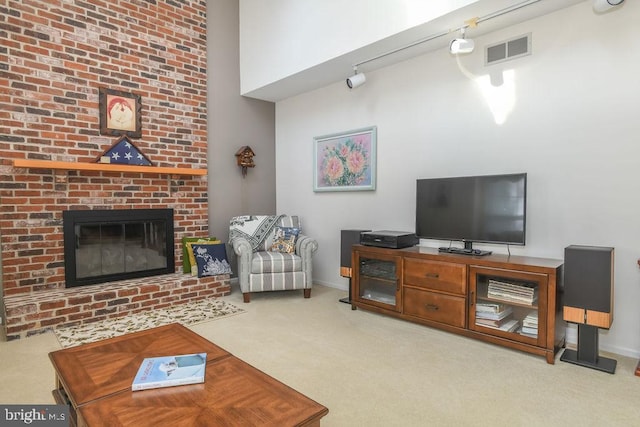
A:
485, 209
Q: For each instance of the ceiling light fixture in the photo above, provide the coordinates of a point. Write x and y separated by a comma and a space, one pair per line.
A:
471, 23
359, 79
604, 5
461, 45
356, 80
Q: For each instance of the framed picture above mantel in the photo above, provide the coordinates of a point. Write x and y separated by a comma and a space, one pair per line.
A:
345, 161
120, 113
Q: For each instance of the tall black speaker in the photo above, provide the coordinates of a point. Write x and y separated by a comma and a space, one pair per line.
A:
588, 302
348, 238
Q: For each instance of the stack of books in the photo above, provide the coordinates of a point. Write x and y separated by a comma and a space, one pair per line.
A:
496, 316
520, 293
530, 325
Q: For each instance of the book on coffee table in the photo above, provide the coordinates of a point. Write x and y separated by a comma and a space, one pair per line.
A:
168, 371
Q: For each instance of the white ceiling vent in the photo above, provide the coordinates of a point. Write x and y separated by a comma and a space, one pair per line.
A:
507, 50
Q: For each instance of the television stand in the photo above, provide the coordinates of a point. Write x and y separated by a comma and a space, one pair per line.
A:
463, 251
455, 292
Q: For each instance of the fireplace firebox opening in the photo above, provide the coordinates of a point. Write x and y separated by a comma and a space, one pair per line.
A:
109, 245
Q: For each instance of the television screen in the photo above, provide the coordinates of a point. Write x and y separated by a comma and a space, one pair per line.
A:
488, 209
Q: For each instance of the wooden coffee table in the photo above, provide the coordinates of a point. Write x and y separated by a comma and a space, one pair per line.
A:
95, 379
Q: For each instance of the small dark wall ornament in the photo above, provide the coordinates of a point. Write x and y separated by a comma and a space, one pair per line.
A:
244, 158
120, 113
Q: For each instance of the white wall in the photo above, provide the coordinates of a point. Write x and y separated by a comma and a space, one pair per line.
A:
279, 38
573, 128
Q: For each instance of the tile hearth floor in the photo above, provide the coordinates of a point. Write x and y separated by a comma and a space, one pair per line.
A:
186, 314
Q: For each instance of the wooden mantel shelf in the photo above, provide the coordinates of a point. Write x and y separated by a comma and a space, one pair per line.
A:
104, 167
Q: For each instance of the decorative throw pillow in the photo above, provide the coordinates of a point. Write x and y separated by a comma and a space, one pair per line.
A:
211, 259
284, 239
191, 259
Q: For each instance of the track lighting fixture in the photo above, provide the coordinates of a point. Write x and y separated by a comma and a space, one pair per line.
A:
461, 45
356, 80
604, 5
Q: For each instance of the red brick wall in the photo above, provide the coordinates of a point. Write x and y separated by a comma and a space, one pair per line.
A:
54, 55
32, 314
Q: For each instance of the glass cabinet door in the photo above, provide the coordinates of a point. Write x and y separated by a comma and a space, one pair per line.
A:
509, 304
377, 280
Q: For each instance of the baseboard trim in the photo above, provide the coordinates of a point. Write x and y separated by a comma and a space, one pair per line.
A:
572, 341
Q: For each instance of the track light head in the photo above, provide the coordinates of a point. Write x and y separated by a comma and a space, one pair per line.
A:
356, 80
600, 6
461, 46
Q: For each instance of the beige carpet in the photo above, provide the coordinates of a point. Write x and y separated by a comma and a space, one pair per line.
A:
186, 314
372, 370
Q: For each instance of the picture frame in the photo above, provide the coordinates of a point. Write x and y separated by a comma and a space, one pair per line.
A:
120, 113
345, 161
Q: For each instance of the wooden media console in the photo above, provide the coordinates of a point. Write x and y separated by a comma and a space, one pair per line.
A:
513, 301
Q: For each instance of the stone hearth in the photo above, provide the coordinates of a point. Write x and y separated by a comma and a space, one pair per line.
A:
33, 314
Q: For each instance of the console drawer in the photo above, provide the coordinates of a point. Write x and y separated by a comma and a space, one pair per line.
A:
439, 276
434, 306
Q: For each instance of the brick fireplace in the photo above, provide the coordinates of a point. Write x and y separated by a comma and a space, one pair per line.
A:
54, 57
108, 245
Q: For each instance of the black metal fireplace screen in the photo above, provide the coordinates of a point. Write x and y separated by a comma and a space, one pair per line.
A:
108, 245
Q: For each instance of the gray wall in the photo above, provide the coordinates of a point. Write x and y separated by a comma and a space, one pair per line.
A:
235, 121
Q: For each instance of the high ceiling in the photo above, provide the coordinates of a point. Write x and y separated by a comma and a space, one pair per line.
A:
436, 32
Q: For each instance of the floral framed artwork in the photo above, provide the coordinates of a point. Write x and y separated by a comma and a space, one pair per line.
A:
120, 113
345, 161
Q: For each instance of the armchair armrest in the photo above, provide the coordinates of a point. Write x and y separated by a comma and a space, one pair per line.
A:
242, 248
305, 248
